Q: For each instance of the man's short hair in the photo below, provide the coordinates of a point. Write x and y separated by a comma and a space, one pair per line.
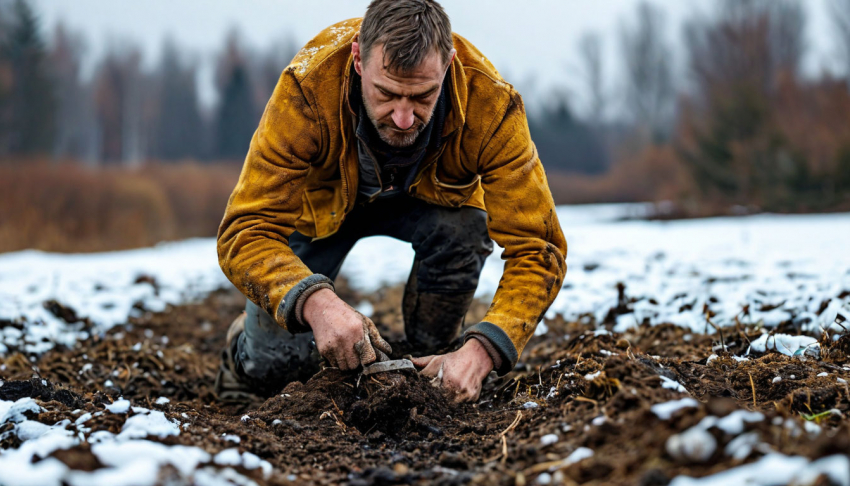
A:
408, 30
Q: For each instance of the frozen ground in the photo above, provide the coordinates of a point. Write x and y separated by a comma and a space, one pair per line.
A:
768, 269
777, 267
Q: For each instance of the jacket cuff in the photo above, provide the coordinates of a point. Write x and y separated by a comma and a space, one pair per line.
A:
499, 341
290, 308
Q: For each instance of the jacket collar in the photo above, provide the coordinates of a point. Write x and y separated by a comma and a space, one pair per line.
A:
456, 116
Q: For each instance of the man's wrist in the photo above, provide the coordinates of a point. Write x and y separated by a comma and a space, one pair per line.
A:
315, 303
482, 357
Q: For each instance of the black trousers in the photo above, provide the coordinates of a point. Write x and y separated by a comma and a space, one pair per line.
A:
450, 244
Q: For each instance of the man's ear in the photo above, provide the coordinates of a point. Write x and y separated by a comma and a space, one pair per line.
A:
452, 55
355, 52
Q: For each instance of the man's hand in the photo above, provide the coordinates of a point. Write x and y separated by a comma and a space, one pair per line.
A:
345, 337
461, 372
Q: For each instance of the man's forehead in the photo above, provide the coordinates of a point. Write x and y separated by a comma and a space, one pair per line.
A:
429, 71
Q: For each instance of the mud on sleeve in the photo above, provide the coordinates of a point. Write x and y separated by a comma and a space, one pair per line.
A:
253, 238
523, 222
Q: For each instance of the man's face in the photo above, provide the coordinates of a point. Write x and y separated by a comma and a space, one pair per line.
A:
399, 105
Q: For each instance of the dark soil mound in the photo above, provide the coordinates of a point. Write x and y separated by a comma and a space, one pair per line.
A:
396, 404
41, 389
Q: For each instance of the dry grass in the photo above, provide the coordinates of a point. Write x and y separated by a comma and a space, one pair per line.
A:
656, 174
70, 208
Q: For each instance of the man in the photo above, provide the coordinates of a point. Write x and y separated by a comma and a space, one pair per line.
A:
387, 126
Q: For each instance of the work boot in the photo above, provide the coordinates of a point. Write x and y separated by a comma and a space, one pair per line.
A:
432, 320
228, 386
260, 357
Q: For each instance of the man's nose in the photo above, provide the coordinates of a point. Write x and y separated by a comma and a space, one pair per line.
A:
403, 116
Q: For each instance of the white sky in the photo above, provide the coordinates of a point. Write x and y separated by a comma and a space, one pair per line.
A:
532, 38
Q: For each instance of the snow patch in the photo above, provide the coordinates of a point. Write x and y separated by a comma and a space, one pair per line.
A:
666, 410
774, 469
120, 406
672, 384
783, 343
549, 439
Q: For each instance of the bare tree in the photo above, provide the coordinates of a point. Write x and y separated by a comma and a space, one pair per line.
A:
841, 18
748, 42
119, 101
649, 92
590, 54
75, 122
787, 33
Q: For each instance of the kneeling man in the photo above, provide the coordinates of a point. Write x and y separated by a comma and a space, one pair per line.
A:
387, 125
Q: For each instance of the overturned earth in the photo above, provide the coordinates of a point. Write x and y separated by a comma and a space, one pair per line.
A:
577, 409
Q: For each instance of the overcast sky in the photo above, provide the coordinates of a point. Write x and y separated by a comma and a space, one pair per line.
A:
525, 40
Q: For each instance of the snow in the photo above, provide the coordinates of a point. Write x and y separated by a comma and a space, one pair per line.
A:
757, 260
770, 263
119, 406
14, 411
697, 444
592, 376
774, 469
775, 265
672, 385
732, 424
99, 286
783, 343
153, 423
667, 409
128, 460
549, 439
577, 455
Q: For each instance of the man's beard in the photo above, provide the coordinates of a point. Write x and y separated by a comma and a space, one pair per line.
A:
392, 137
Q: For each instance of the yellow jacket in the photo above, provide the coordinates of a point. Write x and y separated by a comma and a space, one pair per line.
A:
301, 173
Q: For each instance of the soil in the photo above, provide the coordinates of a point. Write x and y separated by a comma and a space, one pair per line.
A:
590, 388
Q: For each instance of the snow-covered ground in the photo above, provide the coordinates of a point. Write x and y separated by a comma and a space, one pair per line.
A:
778, 267
103, 287
128, 459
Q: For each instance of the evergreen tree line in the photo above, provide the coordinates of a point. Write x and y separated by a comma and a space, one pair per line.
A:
124, 114
731, 104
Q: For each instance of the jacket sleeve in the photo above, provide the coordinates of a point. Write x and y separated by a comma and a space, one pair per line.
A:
253, 239
522, 220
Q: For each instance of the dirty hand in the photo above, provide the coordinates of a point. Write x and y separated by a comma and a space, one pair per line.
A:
345, 337
460, 372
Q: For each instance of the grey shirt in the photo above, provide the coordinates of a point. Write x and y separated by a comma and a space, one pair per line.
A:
387, 171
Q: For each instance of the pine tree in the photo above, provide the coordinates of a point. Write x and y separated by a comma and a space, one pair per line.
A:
29, 104
179, 125
236, 118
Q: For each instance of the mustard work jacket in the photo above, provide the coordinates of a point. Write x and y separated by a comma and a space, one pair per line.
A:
301, 173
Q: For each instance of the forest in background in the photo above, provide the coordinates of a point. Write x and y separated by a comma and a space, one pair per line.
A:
733, 126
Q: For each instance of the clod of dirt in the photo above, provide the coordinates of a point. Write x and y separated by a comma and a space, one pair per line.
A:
61, 311
388, 404
41, 389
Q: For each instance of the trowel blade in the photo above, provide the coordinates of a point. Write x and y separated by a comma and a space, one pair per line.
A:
384, 366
